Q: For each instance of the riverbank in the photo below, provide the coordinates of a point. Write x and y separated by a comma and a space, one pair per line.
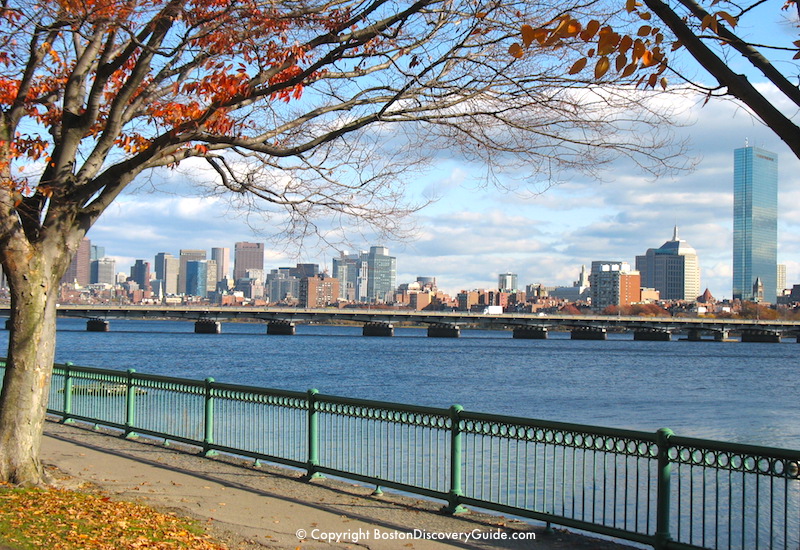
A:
252, 507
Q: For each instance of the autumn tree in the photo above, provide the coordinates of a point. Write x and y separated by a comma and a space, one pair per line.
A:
644, 42
314, 107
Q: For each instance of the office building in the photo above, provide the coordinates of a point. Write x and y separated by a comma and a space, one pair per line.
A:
172, 270
318, 291
223, 258
614, 284
673, 270
167, 268
381, 274
103, 271
345, 269
755, 223
186, 256
247, 256
80, 268
211, 276
507, 282
282, 285
140, 272
197, 278
301, 271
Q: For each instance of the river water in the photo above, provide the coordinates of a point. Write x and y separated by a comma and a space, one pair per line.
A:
741, 392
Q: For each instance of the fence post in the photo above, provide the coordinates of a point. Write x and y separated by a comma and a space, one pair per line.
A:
662, 536
208, 419
454, 496
130, 406
313, 437
67, 408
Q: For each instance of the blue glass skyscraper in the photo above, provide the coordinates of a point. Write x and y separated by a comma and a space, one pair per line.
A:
755, 223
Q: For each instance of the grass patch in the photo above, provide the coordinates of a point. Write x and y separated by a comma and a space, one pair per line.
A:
69, 520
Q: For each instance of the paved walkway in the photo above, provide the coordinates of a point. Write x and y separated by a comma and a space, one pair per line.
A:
253, 507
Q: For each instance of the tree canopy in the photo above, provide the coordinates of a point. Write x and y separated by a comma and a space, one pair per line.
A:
304, 92
727, 39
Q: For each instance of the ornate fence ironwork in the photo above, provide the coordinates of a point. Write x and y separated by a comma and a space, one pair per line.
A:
660, 489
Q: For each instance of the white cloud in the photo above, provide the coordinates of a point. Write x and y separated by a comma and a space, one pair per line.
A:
473, 233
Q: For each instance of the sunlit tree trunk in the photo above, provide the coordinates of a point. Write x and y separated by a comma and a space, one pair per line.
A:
33, 281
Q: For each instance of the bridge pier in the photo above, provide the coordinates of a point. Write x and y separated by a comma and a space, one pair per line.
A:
588, 333
530, 333
761, 335
376, 328
652, 335
281, 327
207, 326
696, 335
443, 330
97, 325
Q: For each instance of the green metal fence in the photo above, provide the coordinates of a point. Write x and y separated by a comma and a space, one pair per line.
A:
659, 489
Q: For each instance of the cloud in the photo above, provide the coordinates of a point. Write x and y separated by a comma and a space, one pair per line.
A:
473, 232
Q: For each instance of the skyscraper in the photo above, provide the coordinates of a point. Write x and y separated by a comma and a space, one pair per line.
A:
186, 256
103, 271
345, 270
140, 272
382, 274
755, 222
223, 258
167, 271
80, 269
673, 270
247, 256
197, 278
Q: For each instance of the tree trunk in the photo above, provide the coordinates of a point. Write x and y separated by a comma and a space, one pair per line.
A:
31, 351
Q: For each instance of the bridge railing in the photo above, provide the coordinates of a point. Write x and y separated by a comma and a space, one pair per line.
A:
654, 488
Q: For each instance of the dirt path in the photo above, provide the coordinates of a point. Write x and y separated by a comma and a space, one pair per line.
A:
257, 507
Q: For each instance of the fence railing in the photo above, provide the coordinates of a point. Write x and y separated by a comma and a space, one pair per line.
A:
657, 488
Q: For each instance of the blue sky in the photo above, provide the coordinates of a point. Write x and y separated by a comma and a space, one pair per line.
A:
473, 232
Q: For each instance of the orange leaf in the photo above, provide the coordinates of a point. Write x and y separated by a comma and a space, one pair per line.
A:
629, 70
578, 66
621, 62
630, 5
638, 49
590, 30
607, 42
645, 15
731, 20
664, 83
528, 35
644, 30
602, 67
516, 50
709, 21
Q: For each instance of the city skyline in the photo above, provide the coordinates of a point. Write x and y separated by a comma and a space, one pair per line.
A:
474, 233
